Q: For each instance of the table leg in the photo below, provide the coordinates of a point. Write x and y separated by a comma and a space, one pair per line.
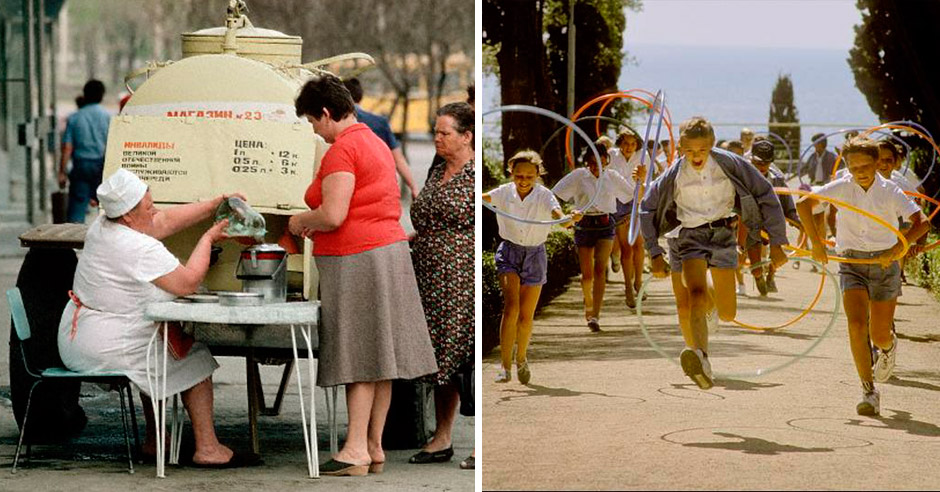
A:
313, 408
253, 389
334, 434
159, 404
313, 468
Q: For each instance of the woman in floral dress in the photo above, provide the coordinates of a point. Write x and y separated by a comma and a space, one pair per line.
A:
443, 258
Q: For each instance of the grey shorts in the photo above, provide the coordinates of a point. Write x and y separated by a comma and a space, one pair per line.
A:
716, 245
882, 284
675, 264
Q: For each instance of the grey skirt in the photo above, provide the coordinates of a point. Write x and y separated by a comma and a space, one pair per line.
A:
373, 326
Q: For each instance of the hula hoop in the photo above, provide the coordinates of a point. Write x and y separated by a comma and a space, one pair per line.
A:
634, 228
551, 114
614, 95
851, 208
907, 164
672, 142
760, 371
601, 118
869, 131
819, 291
835, 166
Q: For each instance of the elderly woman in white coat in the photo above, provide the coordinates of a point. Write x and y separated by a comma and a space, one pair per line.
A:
122, 268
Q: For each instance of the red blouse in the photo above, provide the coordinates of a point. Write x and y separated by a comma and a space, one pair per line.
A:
374, 209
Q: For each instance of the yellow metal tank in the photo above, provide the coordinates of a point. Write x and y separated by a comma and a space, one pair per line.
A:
222, 120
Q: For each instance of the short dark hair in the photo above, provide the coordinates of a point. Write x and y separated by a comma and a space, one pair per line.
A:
325, 92
355, 89
735, 144
462, 113
818, 136
93, 92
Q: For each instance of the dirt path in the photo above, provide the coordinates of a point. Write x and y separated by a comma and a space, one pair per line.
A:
606, 411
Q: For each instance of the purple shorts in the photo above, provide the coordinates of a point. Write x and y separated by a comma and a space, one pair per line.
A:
530, 263
716, 245
593, 228
623, 212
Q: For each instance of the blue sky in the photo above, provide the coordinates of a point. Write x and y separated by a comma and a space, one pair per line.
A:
758, 23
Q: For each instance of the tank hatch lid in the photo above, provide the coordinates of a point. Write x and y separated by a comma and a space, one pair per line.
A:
243, 32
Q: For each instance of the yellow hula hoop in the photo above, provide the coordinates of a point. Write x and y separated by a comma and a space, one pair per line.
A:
841, 204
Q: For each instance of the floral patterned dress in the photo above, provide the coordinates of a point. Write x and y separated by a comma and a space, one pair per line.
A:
443, 259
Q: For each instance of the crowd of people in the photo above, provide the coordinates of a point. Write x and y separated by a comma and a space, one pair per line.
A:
716, 206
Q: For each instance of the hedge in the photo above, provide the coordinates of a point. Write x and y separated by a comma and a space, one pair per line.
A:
562, 265
924, 270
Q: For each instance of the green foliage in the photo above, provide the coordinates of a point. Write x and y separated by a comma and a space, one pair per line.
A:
490, 65
783, 110
924, 270
532, 42
562, 265
493, 171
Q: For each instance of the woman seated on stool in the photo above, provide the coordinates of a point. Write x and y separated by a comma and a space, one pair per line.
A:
122, 269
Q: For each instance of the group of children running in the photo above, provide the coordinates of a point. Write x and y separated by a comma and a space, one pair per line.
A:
715, 207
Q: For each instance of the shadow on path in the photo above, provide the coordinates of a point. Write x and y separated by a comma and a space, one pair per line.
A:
532, 390
902, 421
754, 445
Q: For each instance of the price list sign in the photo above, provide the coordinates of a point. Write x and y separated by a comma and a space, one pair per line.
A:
187, 160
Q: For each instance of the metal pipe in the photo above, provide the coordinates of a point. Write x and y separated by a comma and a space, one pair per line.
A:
29, 44
42, 114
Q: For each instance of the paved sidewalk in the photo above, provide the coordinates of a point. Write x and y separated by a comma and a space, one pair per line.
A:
606, 411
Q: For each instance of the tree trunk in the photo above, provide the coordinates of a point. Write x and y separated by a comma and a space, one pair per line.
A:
524, 80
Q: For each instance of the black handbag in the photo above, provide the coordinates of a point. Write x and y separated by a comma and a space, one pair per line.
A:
465, 381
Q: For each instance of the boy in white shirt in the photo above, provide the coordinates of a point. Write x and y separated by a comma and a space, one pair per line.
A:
870, 290
624, 160
700, 193
521, 262
594, 233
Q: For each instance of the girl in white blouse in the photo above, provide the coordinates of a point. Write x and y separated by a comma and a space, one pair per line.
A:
521, 261
594, 234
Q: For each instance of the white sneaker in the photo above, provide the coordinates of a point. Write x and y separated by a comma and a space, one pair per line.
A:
742, 290
711, 320
696, 367
503, 376
615, 263
884, 366
870, 404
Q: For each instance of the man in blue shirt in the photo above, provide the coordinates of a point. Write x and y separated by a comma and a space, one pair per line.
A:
380, 127
84, 142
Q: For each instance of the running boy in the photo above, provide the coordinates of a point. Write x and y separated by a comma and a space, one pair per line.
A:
521, 262
594, 233
869, 291
700, 193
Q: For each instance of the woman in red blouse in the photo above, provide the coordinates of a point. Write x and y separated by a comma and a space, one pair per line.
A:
373, 328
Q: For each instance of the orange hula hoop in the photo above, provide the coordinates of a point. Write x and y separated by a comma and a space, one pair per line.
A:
667, 117
819, 291
614, 95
